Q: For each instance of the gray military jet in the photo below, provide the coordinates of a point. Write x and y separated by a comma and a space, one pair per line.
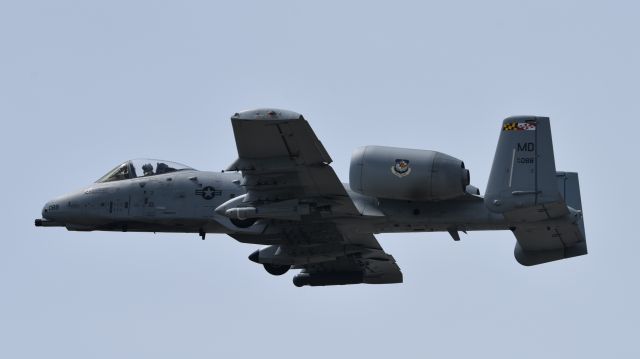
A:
282, 193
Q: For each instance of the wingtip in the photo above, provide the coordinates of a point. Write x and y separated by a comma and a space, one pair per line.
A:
267, 114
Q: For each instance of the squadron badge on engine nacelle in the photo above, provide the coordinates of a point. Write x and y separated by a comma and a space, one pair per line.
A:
401, 168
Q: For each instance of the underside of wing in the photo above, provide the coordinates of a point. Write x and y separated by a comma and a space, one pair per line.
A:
369, 266
329, 255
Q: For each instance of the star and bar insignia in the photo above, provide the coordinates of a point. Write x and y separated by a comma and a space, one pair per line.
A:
208, 192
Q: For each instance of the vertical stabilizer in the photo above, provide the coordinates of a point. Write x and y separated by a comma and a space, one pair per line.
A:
522, 183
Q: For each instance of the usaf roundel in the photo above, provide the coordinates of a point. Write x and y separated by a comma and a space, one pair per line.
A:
208, 192
401, 168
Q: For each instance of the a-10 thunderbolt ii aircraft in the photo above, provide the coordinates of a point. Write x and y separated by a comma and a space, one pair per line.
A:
282, 193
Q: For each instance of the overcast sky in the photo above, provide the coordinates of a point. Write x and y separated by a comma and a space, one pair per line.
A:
85, 86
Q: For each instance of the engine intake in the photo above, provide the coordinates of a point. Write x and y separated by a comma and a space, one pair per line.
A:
407, 174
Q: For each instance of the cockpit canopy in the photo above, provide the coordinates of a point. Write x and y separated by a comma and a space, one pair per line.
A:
142, 168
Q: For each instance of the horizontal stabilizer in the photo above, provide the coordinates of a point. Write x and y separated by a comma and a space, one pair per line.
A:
561, 238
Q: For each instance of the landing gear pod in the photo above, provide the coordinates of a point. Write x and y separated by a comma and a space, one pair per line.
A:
276, 269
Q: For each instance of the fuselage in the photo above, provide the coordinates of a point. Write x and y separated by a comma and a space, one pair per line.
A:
185, 201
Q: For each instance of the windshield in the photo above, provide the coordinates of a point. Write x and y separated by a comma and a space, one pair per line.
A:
142, 168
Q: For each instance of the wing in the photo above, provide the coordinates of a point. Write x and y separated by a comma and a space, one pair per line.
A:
365, 265
328, 254
284, 165
281, 158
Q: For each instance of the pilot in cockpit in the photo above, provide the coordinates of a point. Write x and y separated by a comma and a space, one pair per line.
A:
147, 169
162, 167
122, 173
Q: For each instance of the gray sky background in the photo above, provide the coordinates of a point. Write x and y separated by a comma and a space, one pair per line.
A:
86, 85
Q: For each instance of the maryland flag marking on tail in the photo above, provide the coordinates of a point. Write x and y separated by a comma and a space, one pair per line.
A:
519, 126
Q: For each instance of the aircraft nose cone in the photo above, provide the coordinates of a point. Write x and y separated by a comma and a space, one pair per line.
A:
48, 210
58, 209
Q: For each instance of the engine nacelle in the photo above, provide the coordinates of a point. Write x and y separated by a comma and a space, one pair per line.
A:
407, 174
